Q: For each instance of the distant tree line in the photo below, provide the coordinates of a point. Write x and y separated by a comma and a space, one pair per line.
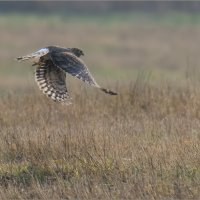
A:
97, 6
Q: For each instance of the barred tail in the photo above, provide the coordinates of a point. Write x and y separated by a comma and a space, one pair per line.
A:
25, 57
37, 54
108, 91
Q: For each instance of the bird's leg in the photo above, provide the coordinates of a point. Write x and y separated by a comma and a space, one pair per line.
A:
35, 63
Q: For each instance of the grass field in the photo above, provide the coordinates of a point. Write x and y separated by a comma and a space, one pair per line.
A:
142, 144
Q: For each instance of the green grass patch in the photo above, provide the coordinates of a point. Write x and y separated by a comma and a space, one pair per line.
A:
106, 19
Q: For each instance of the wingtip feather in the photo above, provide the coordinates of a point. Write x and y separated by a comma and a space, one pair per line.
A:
18, 59
108, 91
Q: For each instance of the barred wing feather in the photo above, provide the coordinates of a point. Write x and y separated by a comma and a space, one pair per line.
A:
73, 65
51, 80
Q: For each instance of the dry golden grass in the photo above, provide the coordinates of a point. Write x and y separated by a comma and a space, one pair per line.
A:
143, 143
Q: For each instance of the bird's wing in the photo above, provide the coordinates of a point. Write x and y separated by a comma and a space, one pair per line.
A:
70, 63
51, 80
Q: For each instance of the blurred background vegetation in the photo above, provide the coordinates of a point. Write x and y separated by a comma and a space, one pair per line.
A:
120, 39
103, 147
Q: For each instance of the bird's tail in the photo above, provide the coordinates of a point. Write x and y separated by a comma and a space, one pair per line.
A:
36, 54
108, 91
27, 57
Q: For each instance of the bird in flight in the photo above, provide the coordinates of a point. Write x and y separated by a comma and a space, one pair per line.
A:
53, 63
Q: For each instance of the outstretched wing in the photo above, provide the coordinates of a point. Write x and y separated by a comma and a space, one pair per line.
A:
51, 80
70, 63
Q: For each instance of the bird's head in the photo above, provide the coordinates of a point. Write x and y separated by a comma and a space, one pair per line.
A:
77, 52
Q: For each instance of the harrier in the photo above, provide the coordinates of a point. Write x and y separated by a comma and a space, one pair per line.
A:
52, 65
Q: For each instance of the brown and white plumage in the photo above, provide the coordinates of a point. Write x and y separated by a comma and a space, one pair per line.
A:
52, 64
51, 80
